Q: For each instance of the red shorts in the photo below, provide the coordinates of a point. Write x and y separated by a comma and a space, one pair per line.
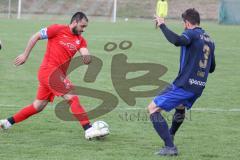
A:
52, 82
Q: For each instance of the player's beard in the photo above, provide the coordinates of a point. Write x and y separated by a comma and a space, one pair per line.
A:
75, 31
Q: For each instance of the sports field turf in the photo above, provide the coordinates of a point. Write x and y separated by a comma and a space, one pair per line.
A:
211, 130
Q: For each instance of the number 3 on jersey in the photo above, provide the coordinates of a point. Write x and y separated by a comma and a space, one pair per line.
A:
206, 51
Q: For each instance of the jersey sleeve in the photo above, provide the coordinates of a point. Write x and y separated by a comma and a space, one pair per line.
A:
83, 43
50, 31
213, 62
189, 35
172, 37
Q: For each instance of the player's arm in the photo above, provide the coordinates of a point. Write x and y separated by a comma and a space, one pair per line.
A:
213, 65
86, 57
170, 35
173, 37
44, 33
22, 58
213, 62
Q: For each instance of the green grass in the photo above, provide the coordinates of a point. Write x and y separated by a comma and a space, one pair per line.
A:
211, 134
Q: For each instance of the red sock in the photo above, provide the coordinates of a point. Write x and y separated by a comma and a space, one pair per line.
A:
24, 113
79, 111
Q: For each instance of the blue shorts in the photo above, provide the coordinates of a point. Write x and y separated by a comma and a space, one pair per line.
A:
172, 97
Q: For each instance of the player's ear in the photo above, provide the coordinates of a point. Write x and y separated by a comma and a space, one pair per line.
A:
74, 22
188, 24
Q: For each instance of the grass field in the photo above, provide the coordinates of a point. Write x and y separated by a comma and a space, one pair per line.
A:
211, 130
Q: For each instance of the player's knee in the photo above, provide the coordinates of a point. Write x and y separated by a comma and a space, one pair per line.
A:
181, 107
69, 97
179, 115
39, 105
152, 108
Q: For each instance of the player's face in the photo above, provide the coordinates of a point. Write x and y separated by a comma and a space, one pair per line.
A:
80, 27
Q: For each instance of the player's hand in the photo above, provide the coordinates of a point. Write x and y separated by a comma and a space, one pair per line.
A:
86, 59
21, 59
85, 55
159, 20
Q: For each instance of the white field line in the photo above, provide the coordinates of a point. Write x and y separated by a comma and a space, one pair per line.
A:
196, 109
237, 109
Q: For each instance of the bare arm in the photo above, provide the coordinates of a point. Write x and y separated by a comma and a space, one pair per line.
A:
86, 57
22, 58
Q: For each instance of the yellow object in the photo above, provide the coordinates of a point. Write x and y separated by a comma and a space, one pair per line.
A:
162, 8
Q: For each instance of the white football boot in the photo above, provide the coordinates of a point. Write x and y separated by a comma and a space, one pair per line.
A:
94, 132
5, 124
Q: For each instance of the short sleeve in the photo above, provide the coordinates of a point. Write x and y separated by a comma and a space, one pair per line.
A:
43, 33
50, 31
83, 43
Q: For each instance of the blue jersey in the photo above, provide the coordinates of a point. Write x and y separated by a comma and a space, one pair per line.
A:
196, 60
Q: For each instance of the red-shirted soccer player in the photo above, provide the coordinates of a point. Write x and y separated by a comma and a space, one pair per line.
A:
63, 43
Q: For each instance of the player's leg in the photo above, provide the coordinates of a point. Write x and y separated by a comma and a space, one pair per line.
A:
162, 102
78, 110
36, 107
60, 85
177, 120
160, 124
81, 115
161, 127
179, 114
168, 100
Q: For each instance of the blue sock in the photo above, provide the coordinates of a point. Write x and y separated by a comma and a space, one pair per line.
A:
161, 128
178, 119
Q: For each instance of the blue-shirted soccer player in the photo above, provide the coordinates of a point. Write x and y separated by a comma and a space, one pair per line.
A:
196, 61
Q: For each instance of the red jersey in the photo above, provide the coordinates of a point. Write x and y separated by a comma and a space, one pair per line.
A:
61, 47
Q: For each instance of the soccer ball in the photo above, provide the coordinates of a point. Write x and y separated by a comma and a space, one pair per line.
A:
101, 125
99, 130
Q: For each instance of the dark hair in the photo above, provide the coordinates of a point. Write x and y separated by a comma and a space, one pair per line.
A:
78, 16
191, 15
